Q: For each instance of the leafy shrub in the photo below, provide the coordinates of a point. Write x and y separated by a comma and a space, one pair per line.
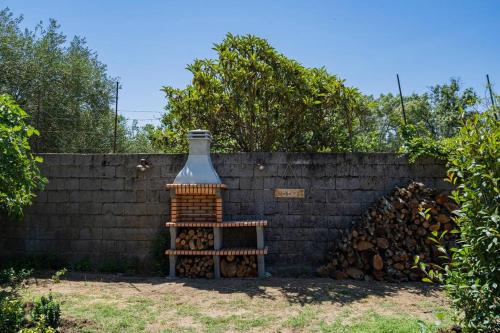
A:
473, 277
128, 266
46, 260
417, 143
13, 277
19, 174
44, 314
40, 327
11, 308
46, 308
11, 314
83, 265
472, 270
56, 277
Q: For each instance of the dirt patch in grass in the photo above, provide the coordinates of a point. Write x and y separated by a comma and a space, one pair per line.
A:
73, 325
112, 303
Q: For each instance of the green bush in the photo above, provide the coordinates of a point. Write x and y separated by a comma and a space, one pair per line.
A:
46, 308
56, 277
417, 143
43, 261
11, 308
83, 265
11, 314
19, 174
473, 277
44, 315
40, 327
13, 277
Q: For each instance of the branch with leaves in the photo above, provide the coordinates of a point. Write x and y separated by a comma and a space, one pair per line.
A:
20, 177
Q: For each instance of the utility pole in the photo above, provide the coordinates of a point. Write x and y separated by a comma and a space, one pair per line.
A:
116, 117
38, 110
491, 92
401, 97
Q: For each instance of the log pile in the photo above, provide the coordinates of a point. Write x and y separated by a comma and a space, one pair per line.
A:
238, 266
195, 239
384, 243
195, 267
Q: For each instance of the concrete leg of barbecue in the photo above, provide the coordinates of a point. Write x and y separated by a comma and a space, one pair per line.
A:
172, 259
260, 245
217, 246
217, 267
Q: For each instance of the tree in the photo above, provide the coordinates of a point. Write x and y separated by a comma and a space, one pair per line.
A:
62, 86
139, 139
449, 104
253, 98
19, 174
434, 115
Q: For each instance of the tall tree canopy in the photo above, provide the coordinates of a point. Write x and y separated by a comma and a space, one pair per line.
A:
253, 98
62, 86
435, 114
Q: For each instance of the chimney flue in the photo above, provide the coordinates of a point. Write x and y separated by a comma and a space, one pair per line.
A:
198, 168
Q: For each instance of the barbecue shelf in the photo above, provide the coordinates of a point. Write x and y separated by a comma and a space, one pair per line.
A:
224, 224
222, 252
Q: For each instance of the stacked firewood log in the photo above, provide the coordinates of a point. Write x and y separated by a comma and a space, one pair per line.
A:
238, 266
199, 266
384, 243
195, 239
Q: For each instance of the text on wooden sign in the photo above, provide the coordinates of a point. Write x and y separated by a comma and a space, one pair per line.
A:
289, 193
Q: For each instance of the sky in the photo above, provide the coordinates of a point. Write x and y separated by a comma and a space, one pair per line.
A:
147, 44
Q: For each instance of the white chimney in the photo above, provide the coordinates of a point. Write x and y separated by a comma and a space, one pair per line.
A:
198, 168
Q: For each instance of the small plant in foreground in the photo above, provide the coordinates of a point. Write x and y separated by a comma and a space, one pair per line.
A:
46, 308
11, 314
43, 316
40, 327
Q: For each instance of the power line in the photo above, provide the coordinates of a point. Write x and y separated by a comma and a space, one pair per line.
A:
142, 111
126, 118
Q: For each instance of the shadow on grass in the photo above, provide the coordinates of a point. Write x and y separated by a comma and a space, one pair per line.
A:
295, 290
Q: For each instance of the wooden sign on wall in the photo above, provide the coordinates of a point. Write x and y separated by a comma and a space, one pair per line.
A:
289, 193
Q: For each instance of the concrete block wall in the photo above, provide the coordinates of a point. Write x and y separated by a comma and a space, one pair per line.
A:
101, 208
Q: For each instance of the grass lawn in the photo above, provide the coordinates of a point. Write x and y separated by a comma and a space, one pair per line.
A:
110, 303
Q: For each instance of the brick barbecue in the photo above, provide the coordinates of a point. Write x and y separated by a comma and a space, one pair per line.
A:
196, 222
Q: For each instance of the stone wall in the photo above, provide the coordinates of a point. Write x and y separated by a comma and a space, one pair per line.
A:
101, 208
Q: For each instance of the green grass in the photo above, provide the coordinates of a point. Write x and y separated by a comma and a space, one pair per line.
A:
182, 309
187, 310
223, 323
240, 323
444, 316
375, 323
134, 314
112, 315
303, 319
